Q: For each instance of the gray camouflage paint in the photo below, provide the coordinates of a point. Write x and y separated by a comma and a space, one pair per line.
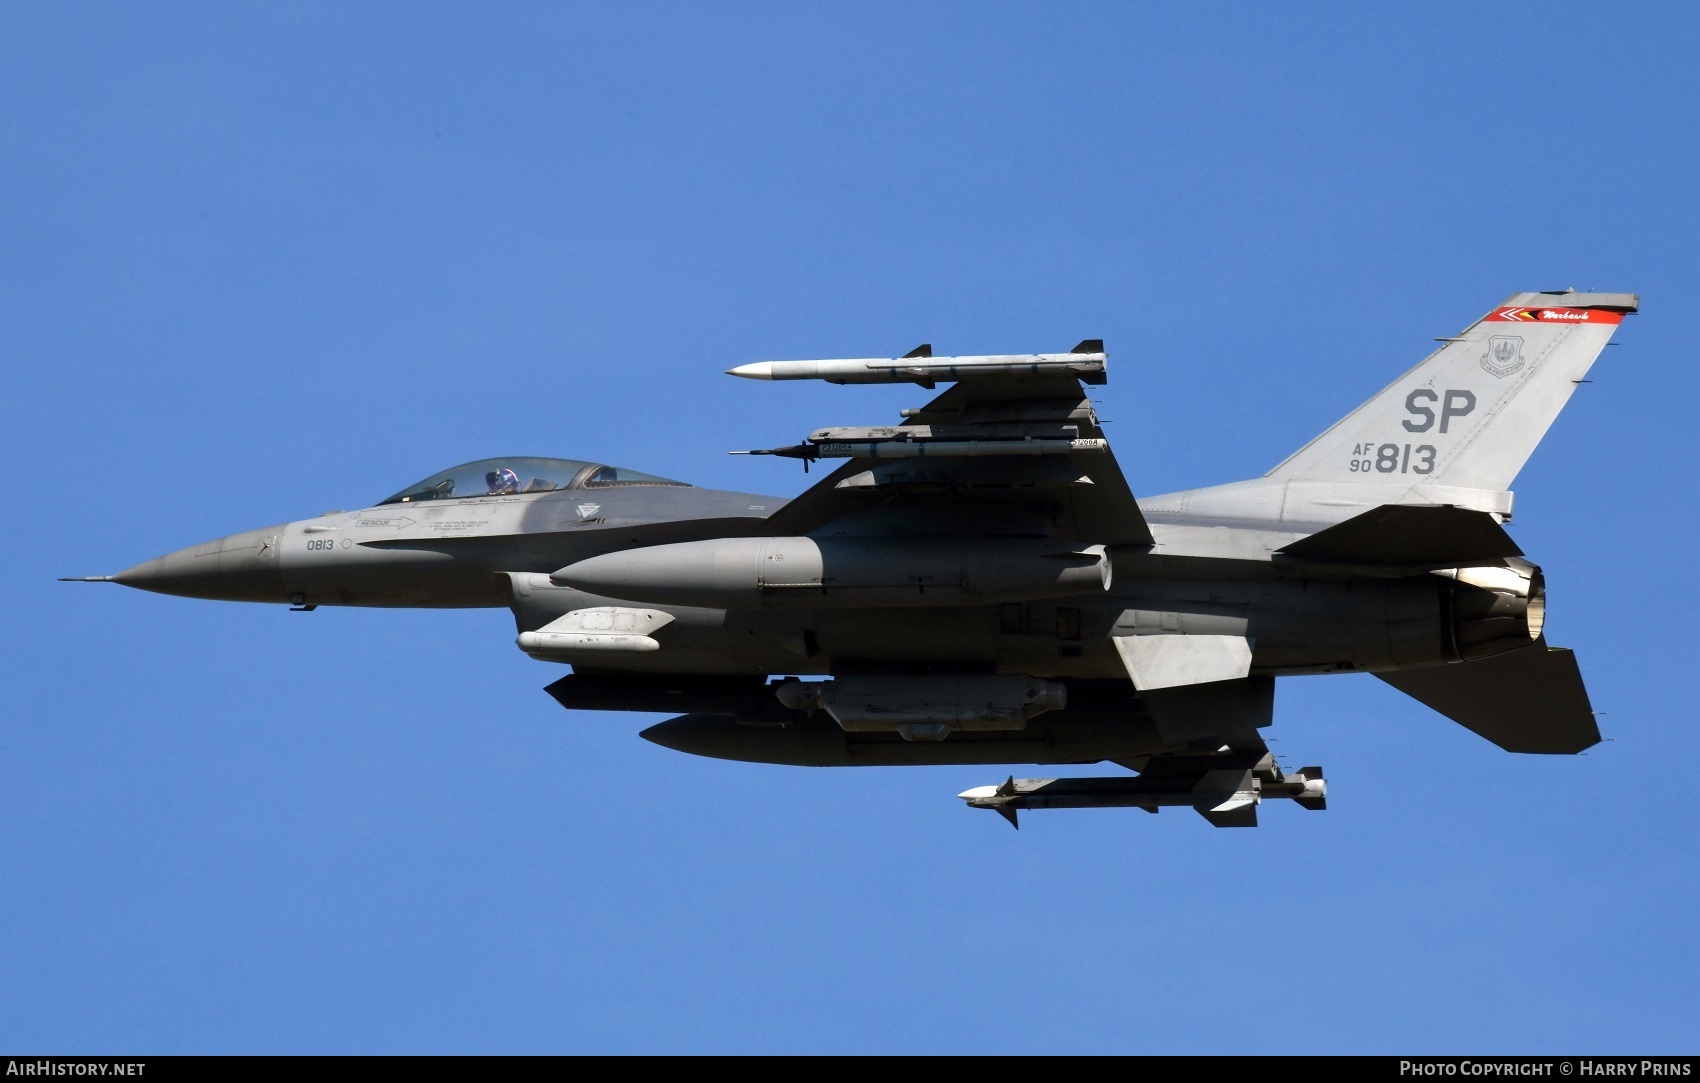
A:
1452, 432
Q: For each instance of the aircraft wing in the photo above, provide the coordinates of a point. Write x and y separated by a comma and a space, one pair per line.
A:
996, 455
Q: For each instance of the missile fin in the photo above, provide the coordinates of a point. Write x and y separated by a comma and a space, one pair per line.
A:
1243, 816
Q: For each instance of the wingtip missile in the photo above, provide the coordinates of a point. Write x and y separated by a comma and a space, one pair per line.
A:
755, 370
1086, 361
88, 579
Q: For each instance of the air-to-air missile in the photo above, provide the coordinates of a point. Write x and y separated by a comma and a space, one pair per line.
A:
1086, 362
1222, 792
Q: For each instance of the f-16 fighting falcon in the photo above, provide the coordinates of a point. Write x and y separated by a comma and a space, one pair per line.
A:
978, 585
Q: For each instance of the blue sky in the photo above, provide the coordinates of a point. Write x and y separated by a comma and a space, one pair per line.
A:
261, 262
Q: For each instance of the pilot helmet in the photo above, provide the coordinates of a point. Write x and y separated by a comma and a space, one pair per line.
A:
502, 481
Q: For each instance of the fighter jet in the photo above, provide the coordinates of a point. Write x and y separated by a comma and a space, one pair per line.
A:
977, 584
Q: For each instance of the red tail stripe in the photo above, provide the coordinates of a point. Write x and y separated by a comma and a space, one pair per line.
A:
1554, 315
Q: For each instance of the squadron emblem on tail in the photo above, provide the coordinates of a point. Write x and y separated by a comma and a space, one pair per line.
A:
1504, 355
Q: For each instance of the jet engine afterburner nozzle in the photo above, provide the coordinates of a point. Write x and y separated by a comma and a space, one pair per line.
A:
1495, 609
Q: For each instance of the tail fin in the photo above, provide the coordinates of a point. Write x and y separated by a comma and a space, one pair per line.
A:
1470, 414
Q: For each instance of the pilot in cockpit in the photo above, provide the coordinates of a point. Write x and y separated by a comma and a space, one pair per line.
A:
502, 481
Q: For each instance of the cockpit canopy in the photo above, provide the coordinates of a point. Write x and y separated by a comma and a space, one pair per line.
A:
521, 474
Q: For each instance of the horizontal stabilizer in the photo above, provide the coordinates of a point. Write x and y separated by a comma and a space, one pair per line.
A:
1426, 535
1529, 700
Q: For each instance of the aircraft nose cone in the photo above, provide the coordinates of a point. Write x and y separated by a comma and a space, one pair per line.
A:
239, 568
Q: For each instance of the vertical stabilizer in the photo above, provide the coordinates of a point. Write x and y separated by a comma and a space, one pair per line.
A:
1470, 414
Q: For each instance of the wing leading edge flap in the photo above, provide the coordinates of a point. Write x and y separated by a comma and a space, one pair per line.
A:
1422, 535
1528, 700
